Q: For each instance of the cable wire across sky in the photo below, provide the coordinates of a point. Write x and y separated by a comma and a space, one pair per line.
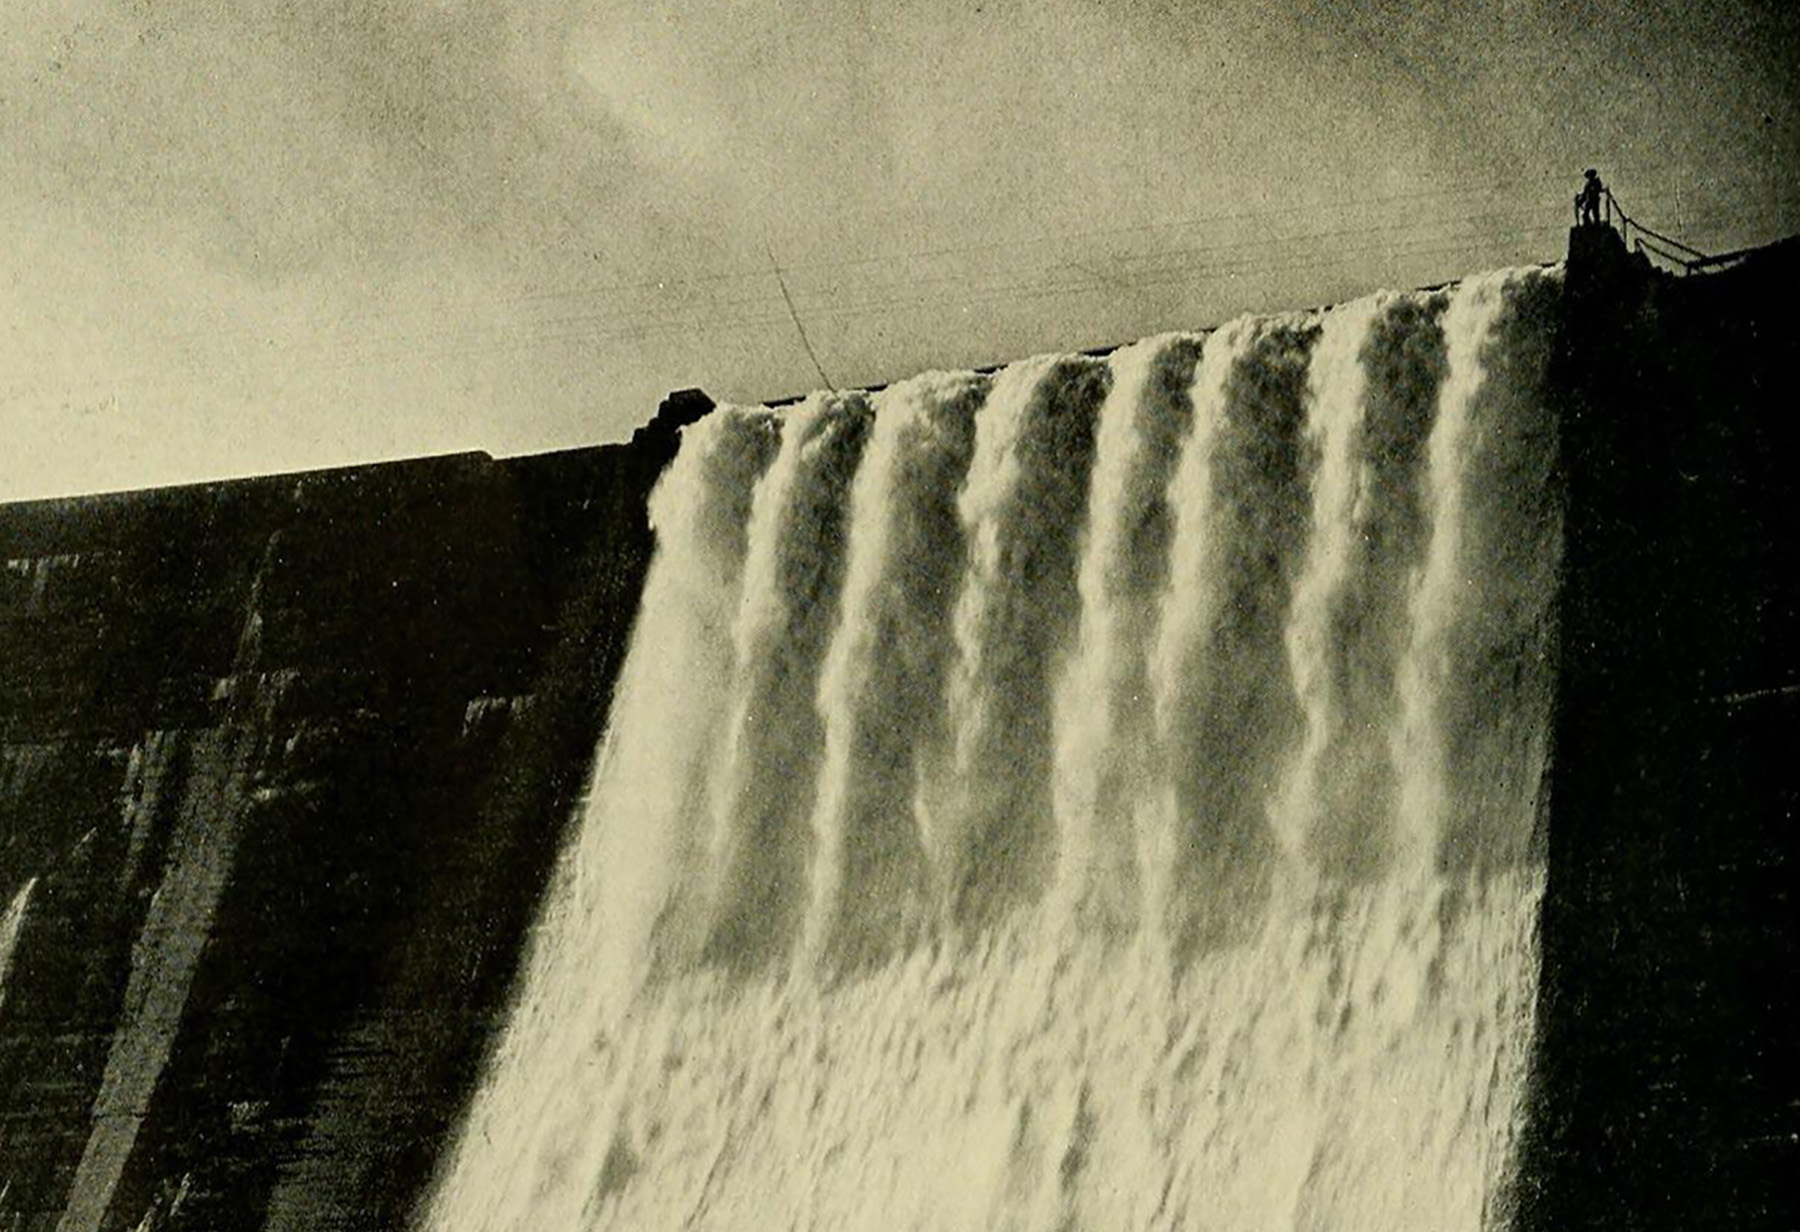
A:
1252, 243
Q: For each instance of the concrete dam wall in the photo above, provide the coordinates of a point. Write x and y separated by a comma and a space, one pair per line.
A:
287, 766
286, 762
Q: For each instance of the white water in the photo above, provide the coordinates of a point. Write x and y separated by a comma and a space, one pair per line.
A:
1315, 636
1105, 735
1101, 797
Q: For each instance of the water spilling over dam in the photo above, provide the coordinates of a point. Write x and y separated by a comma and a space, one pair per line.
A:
1103, 794
1330, 771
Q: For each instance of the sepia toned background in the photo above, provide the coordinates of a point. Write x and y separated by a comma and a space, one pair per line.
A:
242, 237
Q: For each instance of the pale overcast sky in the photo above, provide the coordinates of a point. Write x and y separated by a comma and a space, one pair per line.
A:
253, 235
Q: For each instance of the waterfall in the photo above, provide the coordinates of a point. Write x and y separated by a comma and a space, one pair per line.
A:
1100, 795
1022, 507
882, 692
775, 735
1105, 738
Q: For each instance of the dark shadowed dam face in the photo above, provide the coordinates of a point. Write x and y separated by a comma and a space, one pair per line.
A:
283, 765
1101, 796
1326, 773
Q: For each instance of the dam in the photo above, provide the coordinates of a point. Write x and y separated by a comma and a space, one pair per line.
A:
1327, 771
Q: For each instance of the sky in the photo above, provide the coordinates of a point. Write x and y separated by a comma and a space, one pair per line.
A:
244, 236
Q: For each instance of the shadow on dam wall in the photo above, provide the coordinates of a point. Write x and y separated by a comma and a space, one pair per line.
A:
285, 762
1665, 1089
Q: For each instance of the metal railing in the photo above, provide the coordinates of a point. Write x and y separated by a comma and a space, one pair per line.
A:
1688, 258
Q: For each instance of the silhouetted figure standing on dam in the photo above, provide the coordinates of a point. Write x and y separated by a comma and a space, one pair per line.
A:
1587, 201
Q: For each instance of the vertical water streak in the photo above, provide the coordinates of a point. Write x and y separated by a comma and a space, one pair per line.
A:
792, 572
1104, 728
1479, 611
1022, 510
11, 924
1225, 708
1496, 721
1315, 639
1404, 365
617, 897
881, 693
1374, 383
